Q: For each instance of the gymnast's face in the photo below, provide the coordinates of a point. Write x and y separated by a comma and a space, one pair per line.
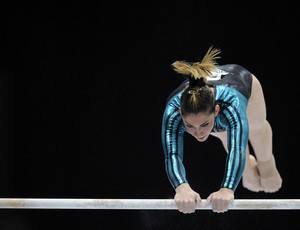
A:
200, 125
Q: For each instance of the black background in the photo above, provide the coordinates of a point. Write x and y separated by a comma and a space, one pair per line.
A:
82, 92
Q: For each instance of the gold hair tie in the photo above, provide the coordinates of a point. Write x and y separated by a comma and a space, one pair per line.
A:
195, 91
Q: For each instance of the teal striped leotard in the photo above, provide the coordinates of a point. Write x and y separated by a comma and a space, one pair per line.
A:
232, 85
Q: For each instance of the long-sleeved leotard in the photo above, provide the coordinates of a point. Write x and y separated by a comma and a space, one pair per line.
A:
232, 85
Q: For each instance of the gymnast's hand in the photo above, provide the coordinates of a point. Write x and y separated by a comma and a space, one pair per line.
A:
221, 200
186, 198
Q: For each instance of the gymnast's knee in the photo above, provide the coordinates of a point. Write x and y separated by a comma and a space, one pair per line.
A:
259, 130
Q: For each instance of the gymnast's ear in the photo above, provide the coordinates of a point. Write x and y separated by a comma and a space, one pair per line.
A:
217, 110
180, 111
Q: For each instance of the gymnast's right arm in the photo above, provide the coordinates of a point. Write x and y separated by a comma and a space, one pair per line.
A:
172, 140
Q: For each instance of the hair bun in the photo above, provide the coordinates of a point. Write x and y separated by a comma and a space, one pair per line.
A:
196, 82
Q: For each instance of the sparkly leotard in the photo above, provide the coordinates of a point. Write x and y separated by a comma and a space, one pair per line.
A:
232, 85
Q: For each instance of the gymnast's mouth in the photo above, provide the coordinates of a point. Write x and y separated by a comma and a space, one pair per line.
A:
201, 138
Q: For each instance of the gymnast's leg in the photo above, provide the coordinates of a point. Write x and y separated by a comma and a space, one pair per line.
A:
260, 137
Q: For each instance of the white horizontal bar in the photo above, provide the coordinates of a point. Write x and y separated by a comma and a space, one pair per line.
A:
145, 204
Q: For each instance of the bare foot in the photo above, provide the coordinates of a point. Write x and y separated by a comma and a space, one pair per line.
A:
251, 178
270, 178
272, 183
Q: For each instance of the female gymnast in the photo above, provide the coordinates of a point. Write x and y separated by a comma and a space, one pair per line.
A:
225, 101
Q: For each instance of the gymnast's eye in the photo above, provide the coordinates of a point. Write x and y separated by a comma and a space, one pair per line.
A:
204, 125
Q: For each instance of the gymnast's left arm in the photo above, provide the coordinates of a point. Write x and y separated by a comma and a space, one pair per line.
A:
238, 133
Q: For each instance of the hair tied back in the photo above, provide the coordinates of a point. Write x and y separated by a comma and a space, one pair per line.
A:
196, 82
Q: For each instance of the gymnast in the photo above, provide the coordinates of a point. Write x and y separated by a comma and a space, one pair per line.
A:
225, 101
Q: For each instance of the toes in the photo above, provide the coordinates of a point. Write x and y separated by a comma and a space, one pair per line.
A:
271, 184
253, 186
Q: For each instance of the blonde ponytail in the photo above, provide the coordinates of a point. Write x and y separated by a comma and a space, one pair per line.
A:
202, 69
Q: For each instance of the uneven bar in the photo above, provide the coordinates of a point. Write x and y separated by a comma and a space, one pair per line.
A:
135, 204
